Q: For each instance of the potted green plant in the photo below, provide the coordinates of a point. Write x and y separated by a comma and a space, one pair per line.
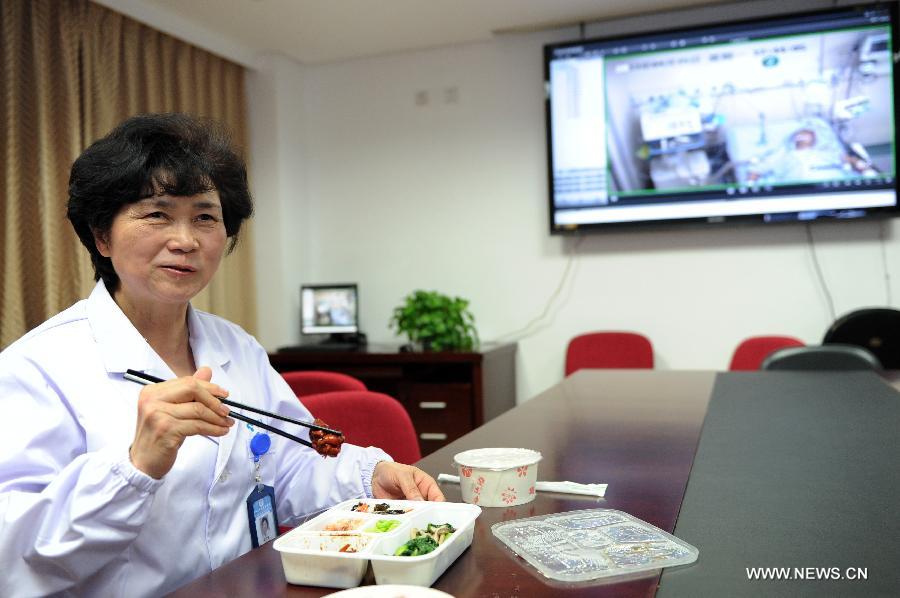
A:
436, 322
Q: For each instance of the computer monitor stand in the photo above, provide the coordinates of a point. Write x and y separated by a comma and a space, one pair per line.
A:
340, 340
345, 338
333, 342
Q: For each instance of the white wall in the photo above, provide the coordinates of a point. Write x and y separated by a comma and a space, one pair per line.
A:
356, 182
278, 178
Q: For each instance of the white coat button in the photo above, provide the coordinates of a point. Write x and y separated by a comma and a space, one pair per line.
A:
223, 477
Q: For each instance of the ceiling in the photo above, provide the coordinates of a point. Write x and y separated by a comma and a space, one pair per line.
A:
323, 31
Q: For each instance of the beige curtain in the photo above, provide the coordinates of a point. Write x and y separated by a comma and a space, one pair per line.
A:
72, 71
39, 137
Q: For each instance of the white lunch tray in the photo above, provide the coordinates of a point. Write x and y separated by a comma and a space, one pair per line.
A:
311, 553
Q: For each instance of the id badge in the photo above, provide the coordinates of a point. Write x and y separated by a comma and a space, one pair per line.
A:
261, 515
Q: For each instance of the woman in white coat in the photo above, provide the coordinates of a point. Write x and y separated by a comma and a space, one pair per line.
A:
111, 488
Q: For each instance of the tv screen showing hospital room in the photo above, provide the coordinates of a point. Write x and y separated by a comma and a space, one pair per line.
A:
779, 119
329, 309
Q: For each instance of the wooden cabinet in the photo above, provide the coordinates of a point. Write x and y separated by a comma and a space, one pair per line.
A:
447, 393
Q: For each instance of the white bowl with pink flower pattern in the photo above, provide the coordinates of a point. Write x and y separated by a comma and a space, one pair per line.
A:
497, 477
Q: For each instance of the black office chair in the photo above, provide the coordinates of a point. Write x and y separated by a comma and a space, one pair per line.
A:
875, 329
823, 358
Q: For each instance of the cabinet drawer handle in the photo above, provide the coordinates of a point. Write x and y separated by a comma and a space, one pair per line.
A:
432, 405
433, 436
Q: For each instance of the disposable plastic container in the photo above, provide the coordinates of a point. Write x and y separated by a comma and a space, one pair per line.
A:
497, 477
334, 521
592, 544
424, 570
311, 555
369, 506
315, 558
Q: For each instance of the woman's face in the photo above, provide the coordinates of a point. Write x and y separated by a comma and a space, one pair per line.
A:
165, 249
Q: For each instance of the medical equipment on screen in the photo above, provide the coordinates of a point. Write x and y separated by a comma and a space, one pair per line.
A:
875, 54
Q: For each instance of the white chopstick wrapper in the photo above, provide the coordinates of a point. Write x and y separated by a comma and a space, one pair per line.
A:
598, 490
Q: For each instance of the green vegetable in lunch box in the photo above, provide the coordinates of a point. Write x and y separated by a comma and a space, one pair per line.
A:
417, 547
384, 525
425, 541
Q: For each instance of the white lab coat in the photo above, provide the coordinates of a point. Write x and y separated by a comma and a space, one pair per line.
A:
77, 517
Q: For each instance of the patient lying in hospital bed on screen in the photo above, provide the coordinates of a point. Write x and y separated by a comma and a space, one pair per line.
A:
795, 151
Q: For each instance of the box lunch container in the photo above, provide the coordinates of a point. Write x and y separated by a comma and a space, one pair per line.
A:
311, 554
315, 558
424, 570
497, 477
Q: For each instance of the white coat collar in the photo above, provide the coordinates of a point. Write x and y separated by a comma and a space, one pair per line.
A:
122, 347
207, 342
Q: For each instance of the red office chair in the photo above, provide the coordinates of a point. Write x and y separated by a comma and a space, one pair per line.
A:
315, 382
751, 351
609, 350
368, 419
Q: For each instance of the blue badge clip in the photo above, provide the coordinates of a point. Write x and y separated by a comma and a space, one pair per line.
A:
259, 445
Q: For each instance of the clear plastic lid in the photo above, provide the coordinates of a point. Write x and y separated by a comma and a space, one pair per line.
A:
497, 458
592, 544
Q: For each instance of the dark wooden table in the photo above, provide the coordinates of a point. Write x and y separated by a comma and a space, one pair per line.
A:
636, 432
793, 469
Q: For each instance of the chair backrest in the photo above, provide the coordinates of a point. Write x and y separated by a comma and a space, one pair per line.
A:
876, 329
609, 350
822, 357
312, 382
368, 419
751, 351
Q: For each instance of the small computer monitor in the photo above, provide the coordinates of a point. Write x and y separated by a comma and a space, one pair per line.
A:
329, 309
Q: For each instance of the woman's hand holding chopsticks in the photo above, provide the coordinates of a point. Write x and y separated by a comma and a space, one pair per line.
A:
324, 440
169, 412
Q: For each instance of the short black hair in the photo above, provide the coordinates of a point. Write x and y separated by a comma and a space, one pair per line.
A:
148, 154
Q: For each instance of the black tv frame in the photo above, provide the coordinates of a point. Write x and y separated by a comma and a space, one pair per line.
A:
709, 28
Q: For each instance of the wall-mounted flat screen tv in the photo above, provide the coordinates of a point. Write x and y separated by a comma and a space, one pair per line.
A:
779, 119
